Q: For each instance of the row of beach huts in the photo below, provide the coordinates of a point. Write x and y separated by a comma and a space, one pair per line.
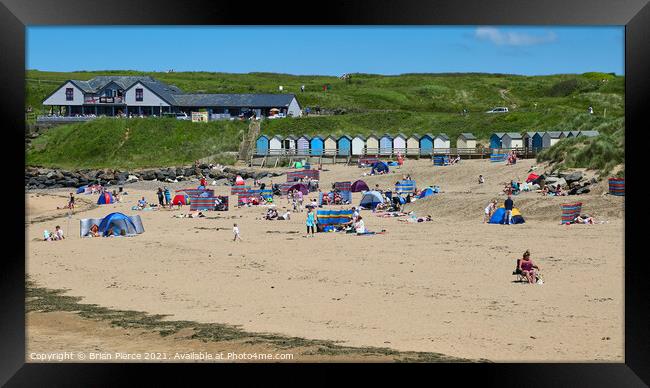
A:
427, 144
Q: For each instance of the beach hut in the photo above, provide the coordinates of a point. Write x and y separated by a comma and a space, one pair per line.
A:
466, 142
262, 145
343, 145
495, 140
441, 143
512, 140
399, 144
550, 138
275, 145
289, 144
426, 144
316, 145
413, 144
302, 145
330, 145
358, 145
527, 138
589, 133
372, 145
571, 134
386, 145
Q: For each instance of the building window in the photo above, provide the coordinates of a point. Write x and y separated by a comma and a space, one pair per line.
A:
69, 94
138, 95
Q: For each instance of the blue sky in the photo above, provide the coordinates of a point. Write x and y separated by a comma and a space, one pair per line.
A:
329, 50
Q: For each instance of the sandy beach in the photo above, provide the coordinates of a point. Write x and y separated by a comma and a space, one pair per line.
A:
444, 286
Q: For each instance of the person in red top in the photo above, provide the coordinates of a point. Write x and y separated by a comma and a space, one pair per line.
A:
204, 183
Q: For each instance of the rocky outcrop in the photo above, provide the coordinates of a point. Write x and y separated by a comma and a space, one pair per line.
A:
43, 178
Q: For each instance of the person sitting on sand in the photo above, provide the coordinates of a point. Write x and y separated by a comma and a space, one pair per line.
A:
481, 180
94, 231
527, 267
337, 198
47, 236
58, 233
285, 216
360, 226
455, 160
326, 199
142, 203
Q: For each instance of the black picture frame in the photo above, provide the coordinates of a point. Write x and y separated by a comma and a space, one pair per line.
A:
16, 14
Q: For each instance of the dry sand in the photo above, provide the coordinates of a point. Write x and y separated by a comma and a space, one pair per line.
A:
443, 286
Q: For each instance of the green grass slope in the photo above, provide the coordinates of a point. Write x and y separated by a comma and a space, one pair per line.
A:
136, 143
408, 103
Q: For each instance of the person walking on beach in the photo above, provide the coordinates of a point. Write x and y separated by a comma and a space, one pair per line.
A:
311, 222
235, 231
71, 202
508, 204
489, 209
300, 199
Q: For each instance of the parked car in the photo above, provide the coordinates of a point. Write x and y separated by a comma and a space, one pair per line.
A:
501, 109
278, 116
182, 116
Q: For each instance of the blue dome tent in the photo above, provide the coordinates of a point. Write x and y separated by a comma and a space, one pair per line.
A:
81, 189
499, 215
427, 192
105, 198
379, 167
371, 199
118, 222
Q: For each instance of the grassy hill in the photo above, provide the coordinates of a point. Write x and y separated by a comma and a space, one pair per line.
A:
408, 103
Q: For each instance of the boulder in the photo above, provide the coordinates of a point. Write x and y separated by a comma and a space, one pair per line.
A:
220, 182
148, 175
594, 180
131, 178
160, 175
573, 177
50, 175
583, 190
189, 171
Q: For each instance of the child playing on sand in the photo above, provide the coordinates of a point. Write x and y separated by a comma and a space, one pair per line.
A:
235, 230
71, 202
481, 180
58, 233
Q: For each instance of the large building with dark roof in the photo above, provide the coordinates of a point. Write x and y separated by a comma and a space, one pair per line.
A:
146, 96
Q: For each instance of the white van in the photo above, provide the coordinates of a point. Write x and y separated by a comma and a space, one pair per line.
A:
501, 109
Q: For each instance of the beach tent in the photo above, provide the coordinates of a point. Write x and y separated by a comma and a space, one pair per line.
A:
239, 181
262, 145
180, 199
427, 192
300, 187
359, 186
499, 215
426, 144
105, 198
81, 189
316, 145
371, 199
344, 144
379, 167
532, 177
118, 222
